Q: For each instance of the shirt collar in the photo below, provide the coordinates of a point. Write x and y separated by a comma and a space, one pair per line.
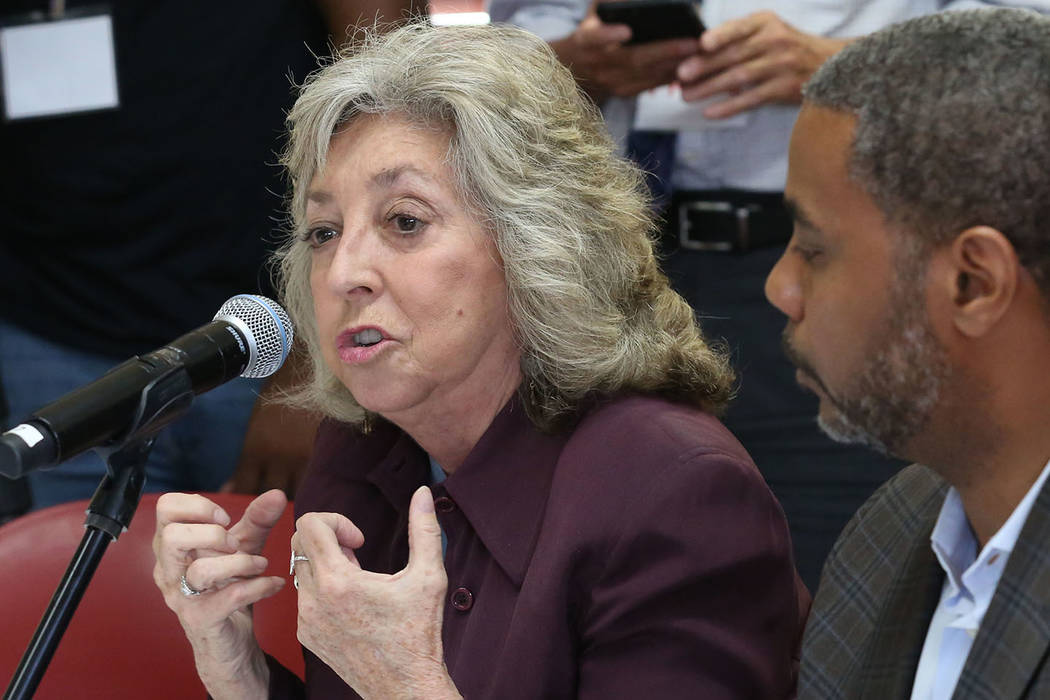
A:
503, 485
955, 545
501, 488
953, 541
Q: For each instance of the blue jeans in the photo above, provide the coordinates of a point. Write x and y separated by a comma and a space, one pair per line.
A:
198, 452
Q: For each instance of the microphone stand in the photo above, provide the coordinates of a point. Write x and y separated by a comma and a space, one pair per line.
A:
162, 401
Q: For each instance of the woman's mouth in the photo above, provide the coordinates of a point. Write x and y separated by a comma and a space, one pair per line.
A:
359, 345
366, 338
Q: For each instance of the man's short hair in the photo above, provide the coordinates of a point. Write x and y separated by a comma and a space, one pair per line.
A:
953, 125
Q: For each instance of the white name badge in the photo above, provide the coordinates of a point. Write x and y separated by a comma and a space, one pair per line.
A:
59, 67
663, 109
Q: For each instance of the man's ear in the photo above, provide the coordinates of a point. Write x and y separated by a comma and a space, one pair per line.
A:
981, 276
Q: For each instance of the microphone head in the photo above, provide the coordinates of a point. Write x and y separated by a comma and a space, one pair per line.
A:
265, 326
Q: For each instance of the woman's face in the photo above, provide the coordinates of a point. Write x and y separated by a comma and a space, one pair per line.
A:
409, 293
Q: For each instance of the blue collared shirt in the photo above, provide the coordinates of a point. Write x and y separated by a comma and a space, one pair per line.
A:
437, 475
970, 582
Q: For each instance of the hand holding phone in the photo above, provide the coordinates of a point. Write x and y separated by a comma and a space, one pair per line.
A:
653, 20
606, 67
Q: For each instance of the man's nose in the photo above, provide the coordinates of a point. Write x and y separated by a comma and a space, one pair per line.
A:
784, 287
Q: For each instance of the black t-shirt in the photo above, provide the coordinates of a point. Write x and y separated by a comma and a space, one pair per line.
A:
122, 229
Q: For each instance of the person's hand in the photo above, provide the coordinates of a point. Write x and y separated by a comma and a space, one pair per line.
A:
192, 541
604, 66
380, 633
755, 60
277, 447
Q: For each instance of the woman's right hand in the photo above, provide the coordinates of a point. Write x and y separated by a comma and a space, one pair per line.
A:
225, 565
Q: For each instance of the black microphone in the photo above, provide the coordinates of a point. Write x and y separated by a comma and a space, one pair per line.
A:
249, 337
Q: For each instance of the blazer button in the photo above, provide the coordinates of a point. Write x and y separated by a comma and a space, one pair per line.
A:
444, 504
462, 599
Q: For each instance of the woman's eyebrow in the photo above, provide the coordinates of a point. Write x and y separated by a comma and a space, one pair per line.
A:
319, 196
389, 176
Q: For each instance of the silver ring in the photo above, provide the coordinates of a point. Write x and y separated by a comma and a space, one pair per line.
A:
188, 590
296, 557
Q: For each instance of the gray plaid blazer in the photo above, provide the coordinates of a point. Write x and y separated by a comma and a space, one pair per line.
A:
881, 584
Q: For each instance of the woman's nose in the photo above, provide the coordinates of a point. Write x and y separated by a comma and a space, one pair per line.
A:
352, 269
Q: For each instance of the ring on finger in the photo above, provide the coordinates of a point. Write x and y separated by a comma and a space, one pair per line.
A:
296, 557
188, 590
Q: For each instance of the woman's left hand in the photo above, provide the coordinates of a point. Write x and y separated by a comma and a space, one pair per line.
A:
381, 633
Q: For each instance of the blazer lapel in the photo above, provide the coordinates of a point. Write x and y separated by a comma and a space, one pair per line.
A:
1014, 637
901, 629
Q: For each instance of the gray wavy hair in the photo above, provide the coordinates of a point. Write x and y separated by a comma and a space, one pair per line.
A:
953, 125
593, 313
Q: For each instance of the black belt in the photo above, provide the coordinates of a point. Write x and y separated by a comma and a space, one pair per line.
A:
727, 221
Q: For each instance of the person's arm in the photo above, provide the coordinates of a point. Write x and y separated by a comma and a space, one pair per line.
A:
760, 59
698, 597
279, 438
344, 17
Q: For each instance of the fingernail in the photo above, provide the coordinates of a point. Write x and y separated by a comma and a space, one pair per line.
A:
425, 503
259, 562
220, 516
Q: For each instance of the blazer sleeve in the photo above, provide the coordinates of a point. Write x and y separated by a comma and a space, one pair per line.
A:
698, 596
284, 685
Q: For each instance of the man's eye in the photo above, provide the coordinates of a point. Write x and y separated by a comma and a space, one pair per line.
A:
807, 254
320, 235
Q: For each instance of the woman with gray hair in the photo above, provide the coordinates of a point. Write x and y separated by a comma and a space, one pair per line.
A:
521, 489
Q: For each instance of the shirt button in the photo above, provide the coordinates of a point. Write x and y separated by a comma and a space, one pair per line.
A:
444, 504
462, 599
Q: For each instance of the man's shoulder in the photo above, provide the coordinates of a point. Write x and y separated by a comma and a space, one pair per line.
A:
868, 562
898, 517
901, 509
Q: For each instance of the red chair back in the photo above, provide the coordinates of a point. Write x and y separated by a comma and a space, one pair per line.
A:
123, 641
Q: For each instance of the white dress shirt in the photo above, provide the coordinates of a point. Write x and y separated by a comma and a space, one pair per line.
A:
969, 585
753, 155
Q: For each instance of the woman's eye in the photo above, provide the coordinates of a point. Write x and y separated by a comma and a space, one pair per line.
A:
320, 235
407, 225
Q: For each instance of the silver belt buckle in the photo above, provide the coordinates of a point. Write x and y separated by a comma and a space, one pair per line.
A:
743, 231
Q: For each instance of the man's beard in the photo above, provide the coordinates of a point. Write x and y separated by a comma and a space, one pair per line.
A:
891, 398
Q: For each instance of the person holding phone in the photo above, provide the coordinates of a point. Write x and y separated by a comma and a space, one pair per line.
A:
721, 176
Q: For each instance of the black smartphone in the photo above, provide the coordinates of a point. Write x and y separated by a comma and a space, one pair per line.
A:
653, 20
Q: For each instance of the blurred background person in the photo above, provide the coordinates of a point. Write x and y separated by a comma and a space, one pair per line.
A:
472, 269
126, 226
720, 181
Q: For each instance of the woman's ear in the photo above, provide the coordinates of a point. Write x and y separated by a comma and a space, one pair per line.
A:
981, 275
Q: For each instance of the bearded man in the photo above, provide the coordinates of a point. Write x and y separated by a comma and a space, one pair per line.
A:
917, 290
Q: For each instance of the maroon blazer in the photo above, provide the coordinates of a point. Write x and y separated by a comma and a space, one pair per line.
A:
639, 555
